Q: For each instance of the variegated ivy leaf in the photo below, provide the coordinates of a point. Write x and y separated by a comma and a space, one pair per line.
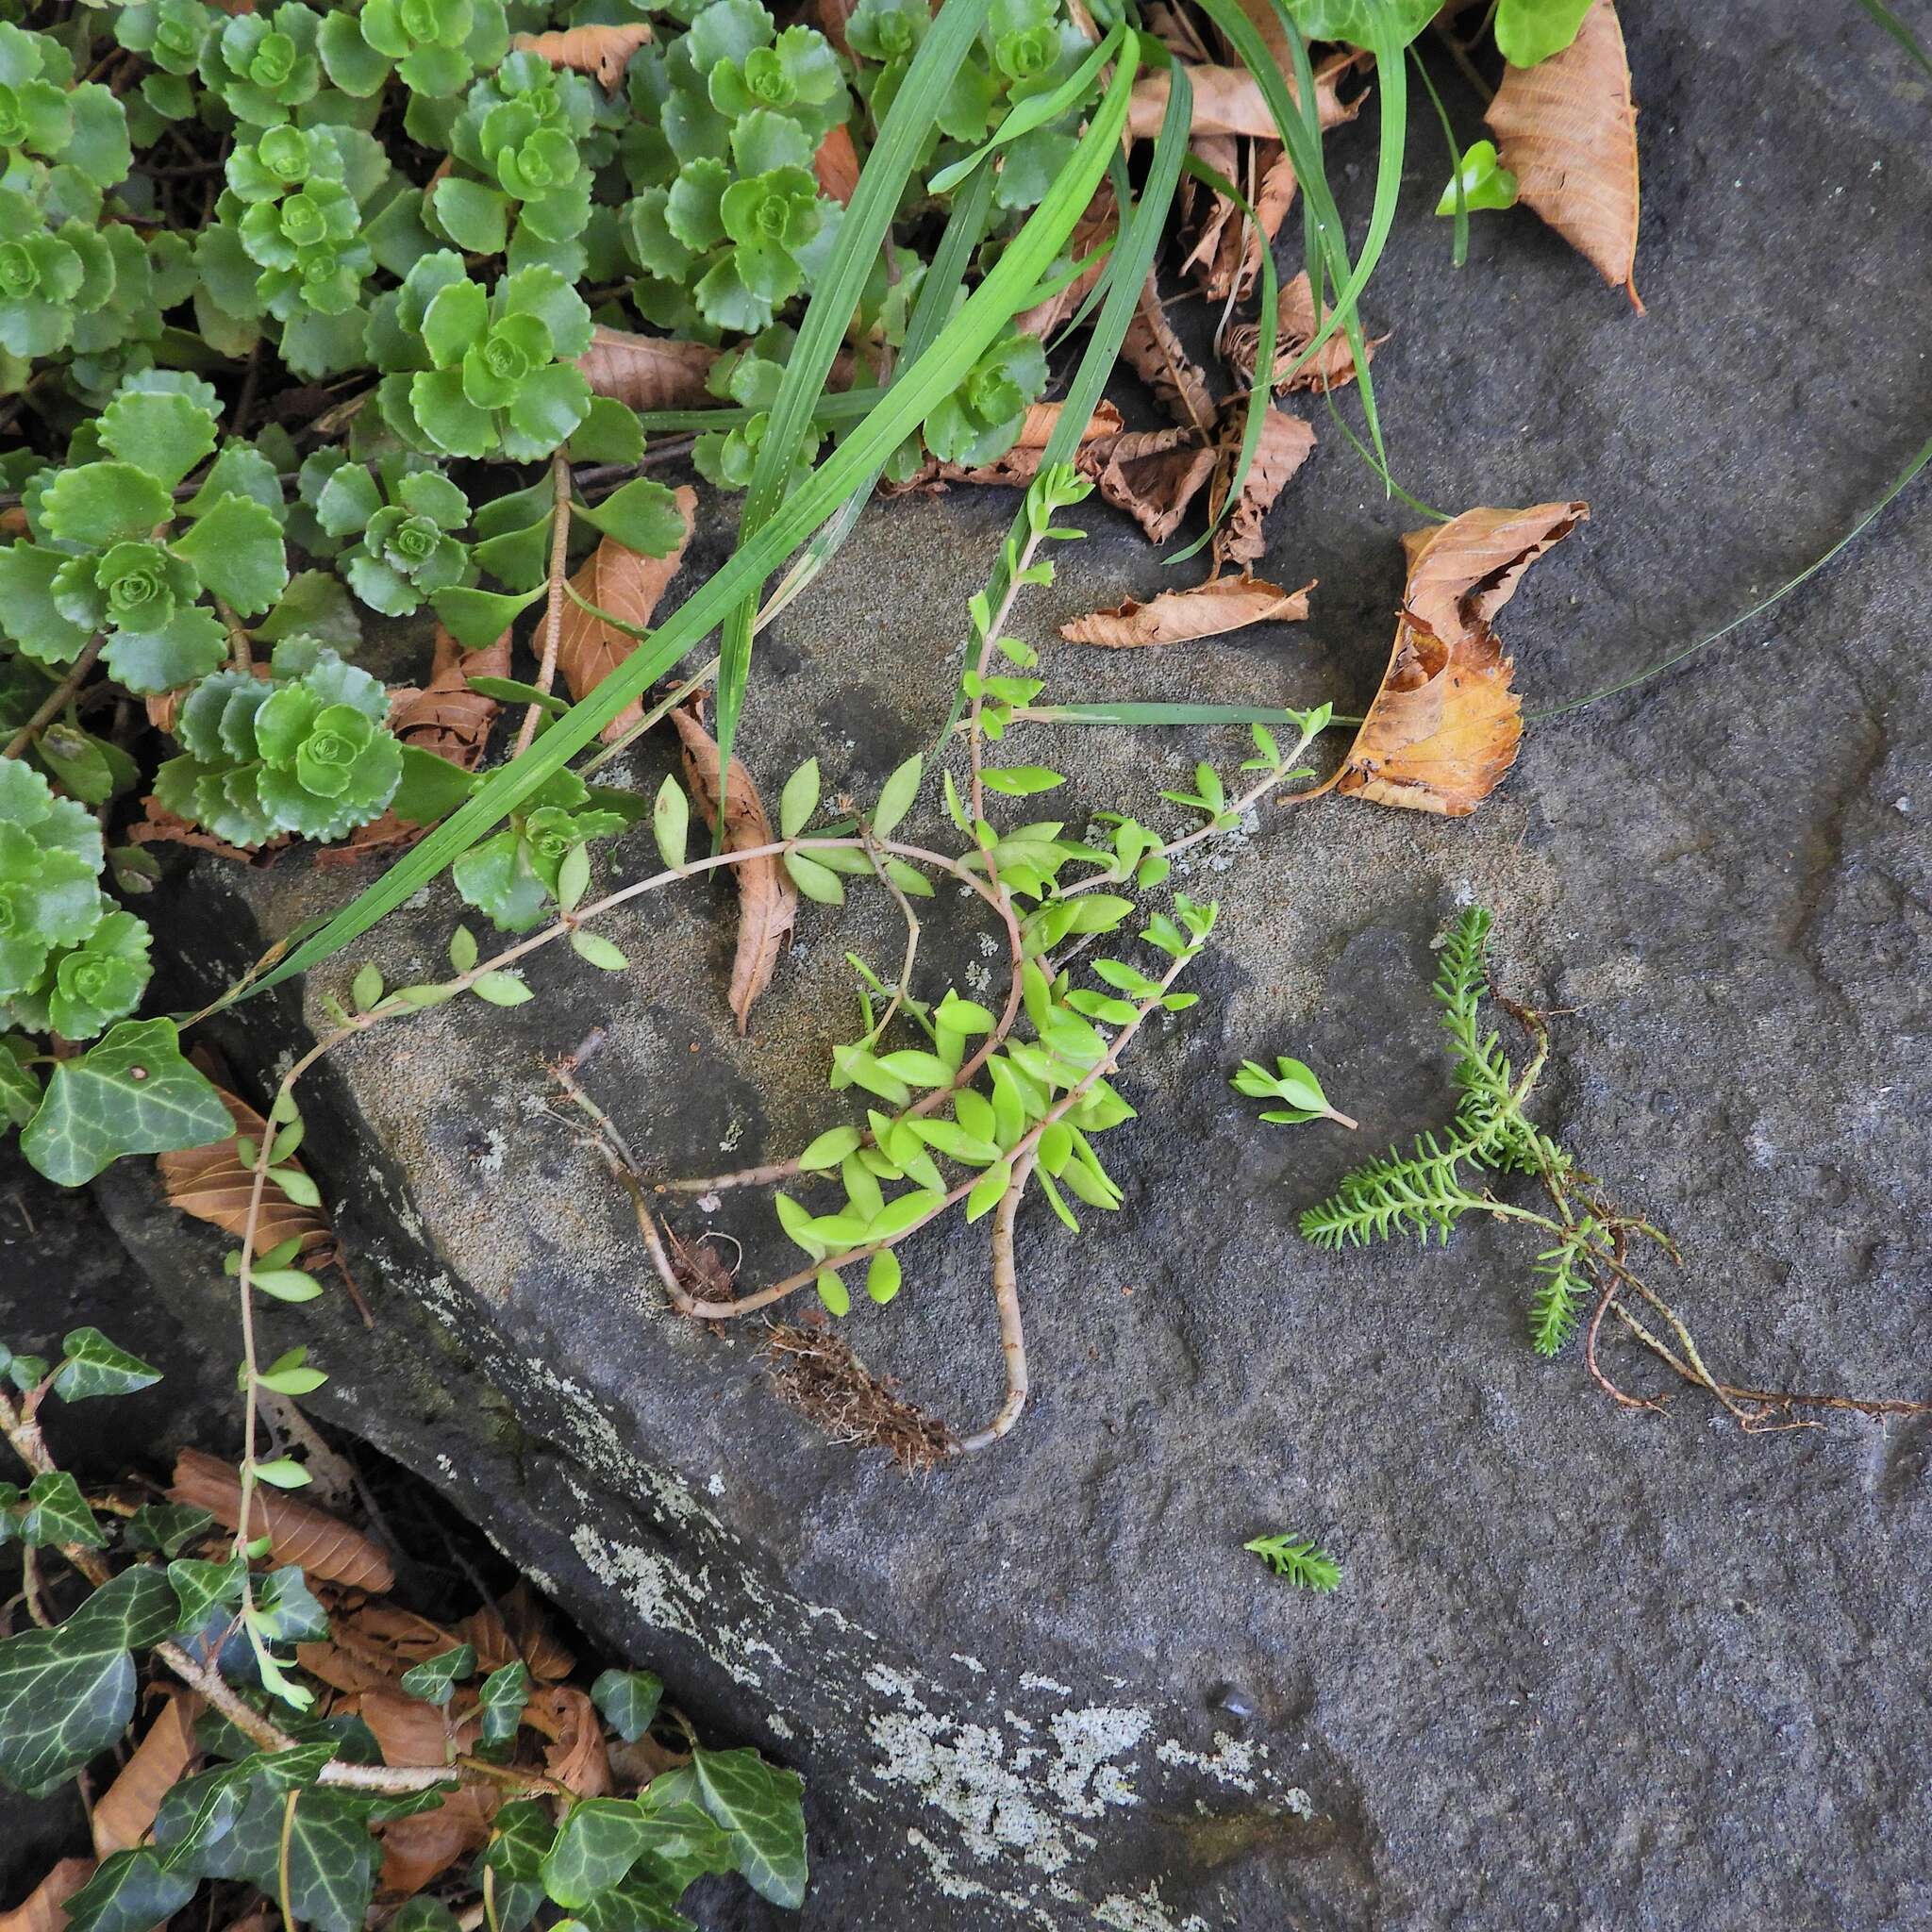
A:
92, 1365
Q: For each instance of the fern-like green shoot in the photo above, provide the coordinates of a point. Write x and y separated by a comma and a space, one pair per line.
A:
1418, 1194
1301, 1560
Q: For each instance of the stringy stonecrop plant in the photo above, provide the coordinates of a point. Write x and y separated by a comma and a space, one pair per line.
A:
289, 1801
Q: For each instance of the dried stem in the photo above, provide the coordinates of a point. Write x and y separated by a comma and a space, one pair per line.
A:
57, 700
1006, 1288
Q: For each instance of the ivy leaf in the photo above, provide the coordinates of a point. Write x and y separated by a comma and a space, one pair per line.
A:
93, 1366
130, 1892
168, 1528
598, 1843
133, 1093
500, 1702
57, 1513
628, 1700
236, 551
1354, 20
762, 1807
435, 1680
66, 1693
331, 1862
1531, 30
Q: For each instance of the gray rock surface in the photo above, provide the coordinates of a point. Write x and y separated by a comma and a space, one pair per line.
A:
1587, 1667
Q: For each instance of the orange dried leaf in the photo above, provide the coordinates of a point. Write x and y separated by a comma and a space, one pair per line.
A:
1330, 367
648, 372
836, 166
160, 827
212, 1184
417, 1849
1567, 129
604, 51
410, 1730
298, 1534
767, 904
1152, 475
628, 586
1445, 724
1227, 100
576, 1755
1286, 444
1155, 355
1176, 617
44, 1909
127, 1808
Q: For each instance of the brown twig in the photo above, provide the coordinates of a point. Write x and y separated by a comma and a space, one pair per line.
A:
561, 487
57, 700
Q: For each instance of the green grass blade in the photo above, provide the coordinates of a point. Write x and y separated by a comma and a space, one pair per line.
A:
863, 230
1035, 111
1458, 257
960, 344
1899, 484
1262, 386
843, 405
1883, 16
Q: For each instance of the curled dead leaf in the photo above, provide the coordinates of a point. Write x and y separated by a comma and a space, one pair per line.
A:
420, 1848
603, 51
1445, 724
328, 1550
517, 1631
127, 1808
628, 586
214, 1184
159, 826
576, 1755
767, 903
1155, 355
411, 1730
648, 372
1567, 129
1206, 610
1152, 475
1285, 446
44, 1909
836, 166
1227, 100
1330, 367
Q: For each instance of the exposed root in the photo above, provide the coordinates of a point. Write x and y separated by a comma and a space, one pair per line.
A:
815, 1370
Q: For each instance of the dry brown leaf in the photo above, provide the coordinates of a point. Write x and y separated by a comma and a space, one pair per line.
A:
128, 1806
1152, 475
767, 903
518, 1632
1285, 446
576, 1755
411, 1730
1331, 366
628, 586
1020, 463
832, 16
1228, 100
44, 1909
835, 164
1093, 231
214, 1184
327, 1549
1177, 617
445, 717
160, 827
1567, 129
1444, 724
604, 51
648, 372
1155, 355
1222, 153
1176, 31
418, 1849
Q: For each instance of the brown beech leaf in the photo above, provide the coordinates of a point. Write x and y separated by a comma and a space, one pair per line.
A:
417, 1849
1155, 355
1152, 475
128, 1806
1330, 367
44, 1909
628, 586
327, 1549
1177, 617
1093, 231
1228, 100
604, 51
1445, 724
767, 903
576, 1755
1285, 445
648, 372
1567, 129
410, 1730
518, 1632
836, 166
212, 1184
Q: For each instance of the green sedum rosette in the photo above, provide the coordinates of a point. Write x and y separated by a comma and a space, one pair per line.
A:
435, 45
404, 523
305, 752
981, 419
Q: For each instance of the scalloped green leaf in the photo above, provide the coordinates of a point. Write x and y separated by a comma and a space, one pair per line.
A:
237, 550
